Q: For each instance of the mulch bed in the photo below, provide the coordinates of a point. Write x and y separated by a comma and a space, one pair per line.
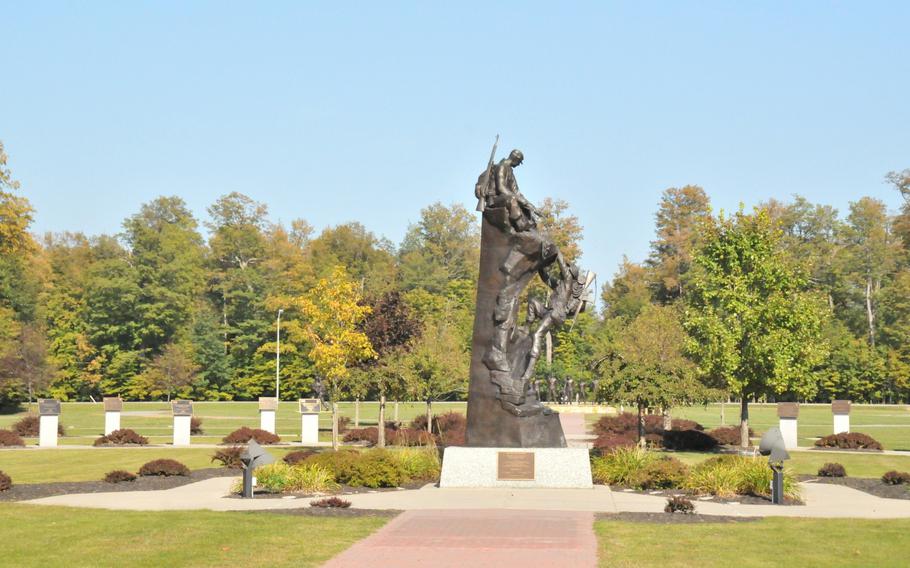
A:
873, 486
26, 491
695, 498
673, 518
345, 490
327, 512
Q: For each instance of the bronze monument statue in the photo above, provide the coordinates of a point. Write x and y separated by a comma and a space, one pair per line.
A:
504, 409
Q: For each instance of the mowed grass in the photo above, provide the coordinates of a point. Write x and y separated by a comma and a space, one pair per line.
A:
84, 421
60, 536
856, 464
768, 542
889, 424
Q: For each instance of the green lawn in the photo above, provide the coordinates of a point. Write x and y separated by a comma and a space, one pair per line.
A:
857, 465
84, 421
60, 536
769, 542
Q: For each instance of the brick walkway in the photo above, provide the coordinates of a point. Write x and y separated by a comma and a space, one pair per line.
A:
478, 538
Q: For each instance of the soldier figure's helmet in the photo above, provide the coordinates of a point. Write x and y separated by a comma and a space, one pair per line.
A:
517, 156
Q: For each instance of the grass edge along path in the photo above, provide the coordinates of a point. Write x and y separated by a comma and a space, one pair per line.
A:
62, 536
765, 542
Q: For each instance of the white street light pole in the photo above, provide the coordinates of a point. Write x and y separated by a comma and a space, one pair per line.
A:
278, 356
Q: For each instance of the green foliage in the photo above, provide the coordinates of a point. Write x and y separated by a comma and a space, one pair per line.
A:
622, 466
280, 477
664, 473
726, 476
419, 463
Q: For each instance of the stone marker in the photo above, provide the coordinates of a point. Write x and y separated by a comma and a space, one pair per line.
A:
309, 420
788, 412
183, 414
841, 411
49, 421
113, 405
268, 405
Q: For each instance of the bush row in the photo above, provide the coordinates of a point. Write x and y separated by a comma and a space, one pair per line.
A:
621, 431
723, 476
10, 438
849, 441
160, 467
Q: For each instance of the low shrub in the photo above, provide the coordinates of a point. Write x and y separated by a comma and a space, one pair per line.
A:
679, 505
728, 435
280, 477
619, 424
164, 467
5, 481
196, 426
726, 476
606, 443
331, 503
340, 464
376, 468
29, 426
244, 434
688, 440
664, 473
683, 424
10, 438
119, 476
369, 435
896, 477
832, 470
229, 457
449, 427
122, 437
409, 437
849, 441
295, 457
622, 466
418, 464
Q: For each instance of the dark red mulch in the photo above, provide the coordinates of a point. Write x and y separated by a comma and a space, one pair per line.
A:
26, 491
673, 518
872, 486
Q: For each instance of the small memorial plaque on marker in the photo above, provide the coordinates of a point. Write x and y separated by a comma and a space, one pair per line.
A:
515, 466
787, 410
840, 407
268, 403
182, 407
309, 405
48, 407
113, 404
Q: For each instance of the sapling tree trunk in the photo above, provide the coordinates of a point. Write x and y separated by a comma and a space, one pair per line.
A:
641, 426
744, 422
380, 429
723, 413
357, 413
668, 421
334, 425
429, 416
396, 412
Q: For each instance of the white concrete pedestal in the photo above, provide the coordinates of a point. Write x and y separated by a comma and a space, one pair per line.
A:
788, 431
309, 428
553, 468
267, 420
841, 423
111, 422
47, 431
182, 430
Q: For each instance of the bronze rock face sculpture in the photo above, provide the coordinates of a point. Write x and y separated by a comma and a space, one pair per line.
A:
504, 409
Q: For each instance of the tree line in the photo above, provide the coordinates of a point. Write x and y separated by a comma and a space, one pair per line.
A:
789, 301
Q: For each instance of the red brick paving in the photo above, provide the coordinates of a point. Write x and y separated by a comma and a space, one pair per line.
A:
468, 538
573, 424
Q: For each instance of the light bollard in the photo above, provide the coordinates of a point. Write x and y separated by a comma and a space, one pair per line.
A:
183, 416
788, 412
841, 411
772, 445
113, 405
48, 422
268, 406
309, 420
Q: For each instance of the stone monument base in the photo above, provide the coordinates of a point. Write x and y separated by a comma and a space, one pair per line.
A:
516, 467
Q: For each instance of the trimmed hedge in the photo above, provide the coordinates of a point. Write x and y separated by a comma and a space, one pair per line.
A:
119, 476
244, 434
5, 481
728, 435
621, 430
10, 438
30, 427
331, 502
849, 441
688, 440
164, 467
832, 470
122, 437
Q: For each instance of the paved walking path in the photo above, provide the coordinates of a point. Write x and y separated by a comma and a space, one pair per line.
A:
478, 537
822, 501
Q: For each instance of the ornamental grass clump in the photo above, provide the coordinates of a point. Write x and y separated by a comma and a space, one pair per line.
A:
418, 464
119, 476
122, 437
280, 477
9, 438
832, 470
339, 463
164, 468
5, 481
622, 466
726, 476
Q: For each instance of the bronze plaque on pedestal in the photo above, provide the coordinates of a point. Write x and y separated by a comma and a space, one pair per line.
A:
48, 407
113, 404
515, 466
182, 407
841, 407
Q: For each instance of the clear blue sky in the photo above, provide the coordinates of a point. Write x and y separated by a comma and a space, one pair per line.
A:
369, 111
